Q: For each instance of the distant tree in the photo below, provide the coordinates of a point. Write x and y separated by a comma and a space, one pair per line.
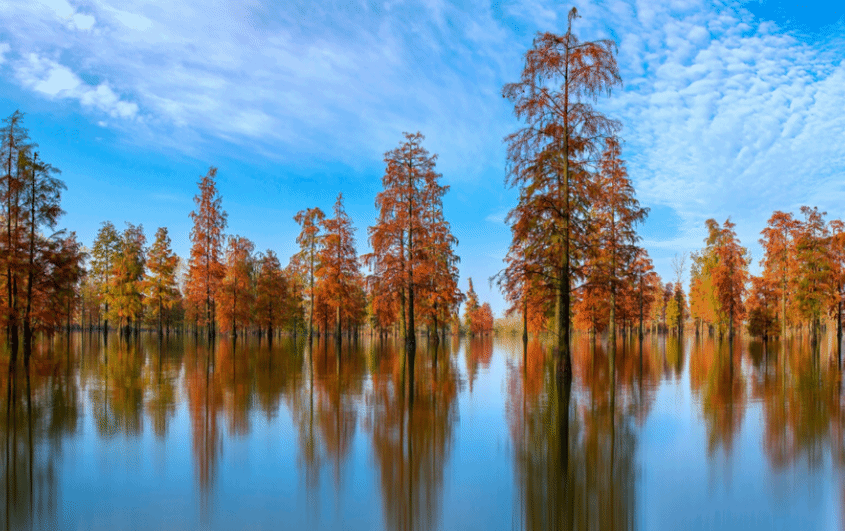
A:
730, 274
236, 294
618, 212
273, 296
471, 309
309, 241
778, 261
159, 285
103, 257
762, 308
126, 279
338, 273
814, 278
205, 267
546, 157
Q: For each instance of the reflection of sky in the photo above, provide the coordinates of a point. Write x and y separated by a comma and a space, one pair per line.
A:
729, 109
129, 482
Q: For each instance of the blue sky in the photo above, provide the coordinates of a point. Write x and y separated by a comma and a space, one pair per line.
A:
729, 109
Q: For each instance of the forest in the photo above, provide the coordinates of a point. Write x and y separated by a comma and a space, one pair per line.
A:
575, 262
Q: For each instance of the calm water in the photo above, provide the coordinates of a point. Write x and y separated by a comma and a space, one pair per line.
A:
183, 436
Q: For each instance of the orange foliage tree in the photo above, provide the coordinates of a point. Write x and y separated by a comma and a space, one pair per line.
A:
338, 275
730, 274
205, 267
159, 285
546, 158
814, 273
273, 299
125, 282
778, 261
236, 293
412, 254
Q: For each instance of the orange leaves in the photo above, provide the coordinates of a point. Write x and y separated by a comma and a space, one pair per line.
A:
205, 267
339, 279
413, 262
235, 294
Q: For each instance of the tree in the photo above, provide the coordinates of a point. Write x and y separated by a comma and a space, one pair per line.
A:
471, 309
762, 308
103, 256
618, 213
205, 268
41, 201
273, 297
309, 241
403, 250
338, 273
160, 287
14, 147
778, 262
236, 293
814, 279
647, 284
126, 281
837, 260
546, 157
730, 274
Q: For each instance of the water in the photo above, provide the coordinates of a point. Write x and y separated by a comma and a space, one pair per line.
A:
180, 435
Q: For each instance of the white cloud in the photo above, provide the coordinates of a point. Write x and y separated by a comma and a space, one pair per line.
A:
4, 49
55, 80
82, 21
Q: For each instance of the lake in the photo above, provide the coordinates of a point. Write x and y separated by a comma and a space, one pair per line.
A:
676, 433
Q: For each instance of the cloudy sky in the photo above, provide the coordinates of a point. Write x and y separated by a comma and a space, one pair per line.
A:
729, 109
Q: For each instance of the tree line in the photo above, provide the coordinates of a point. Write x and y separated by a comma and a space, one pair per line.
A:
407, 283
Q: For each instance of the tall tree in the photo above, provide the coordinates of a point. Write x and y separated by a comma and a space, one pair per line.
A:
309, 241
401, 255
778, 262
338, 273
730, 275
127, 274
160, 286
236, 290
205, 267
103, 257
814, 279
14, 147
42, 198
273, 296
618, 213
561, 79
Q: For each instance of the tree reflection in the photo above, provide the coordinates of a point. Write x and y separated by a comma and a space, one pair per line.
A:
573, 452
411, 438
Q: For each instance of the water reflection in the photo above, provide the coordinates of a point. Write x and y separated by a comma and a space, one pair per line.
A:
249, 433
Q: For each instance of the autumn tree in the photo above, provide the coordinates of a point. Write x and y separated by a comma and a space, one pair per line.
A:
617, 213
338, 273
410, 241
273, 298
41, 208
778, 261
814, 279
646, 282
14, 149
546, 159
309, 241
159, 285
730, 274
126, 279
103, 257
236, 294
205, 267
762, 308
837, 260
471, 308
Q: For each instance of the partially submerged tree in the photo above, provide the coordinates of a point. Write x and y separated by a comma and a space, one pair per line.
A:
547, 157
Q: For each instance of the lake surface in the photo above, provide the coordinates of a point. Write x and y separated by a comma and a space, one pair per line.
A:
681, 433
